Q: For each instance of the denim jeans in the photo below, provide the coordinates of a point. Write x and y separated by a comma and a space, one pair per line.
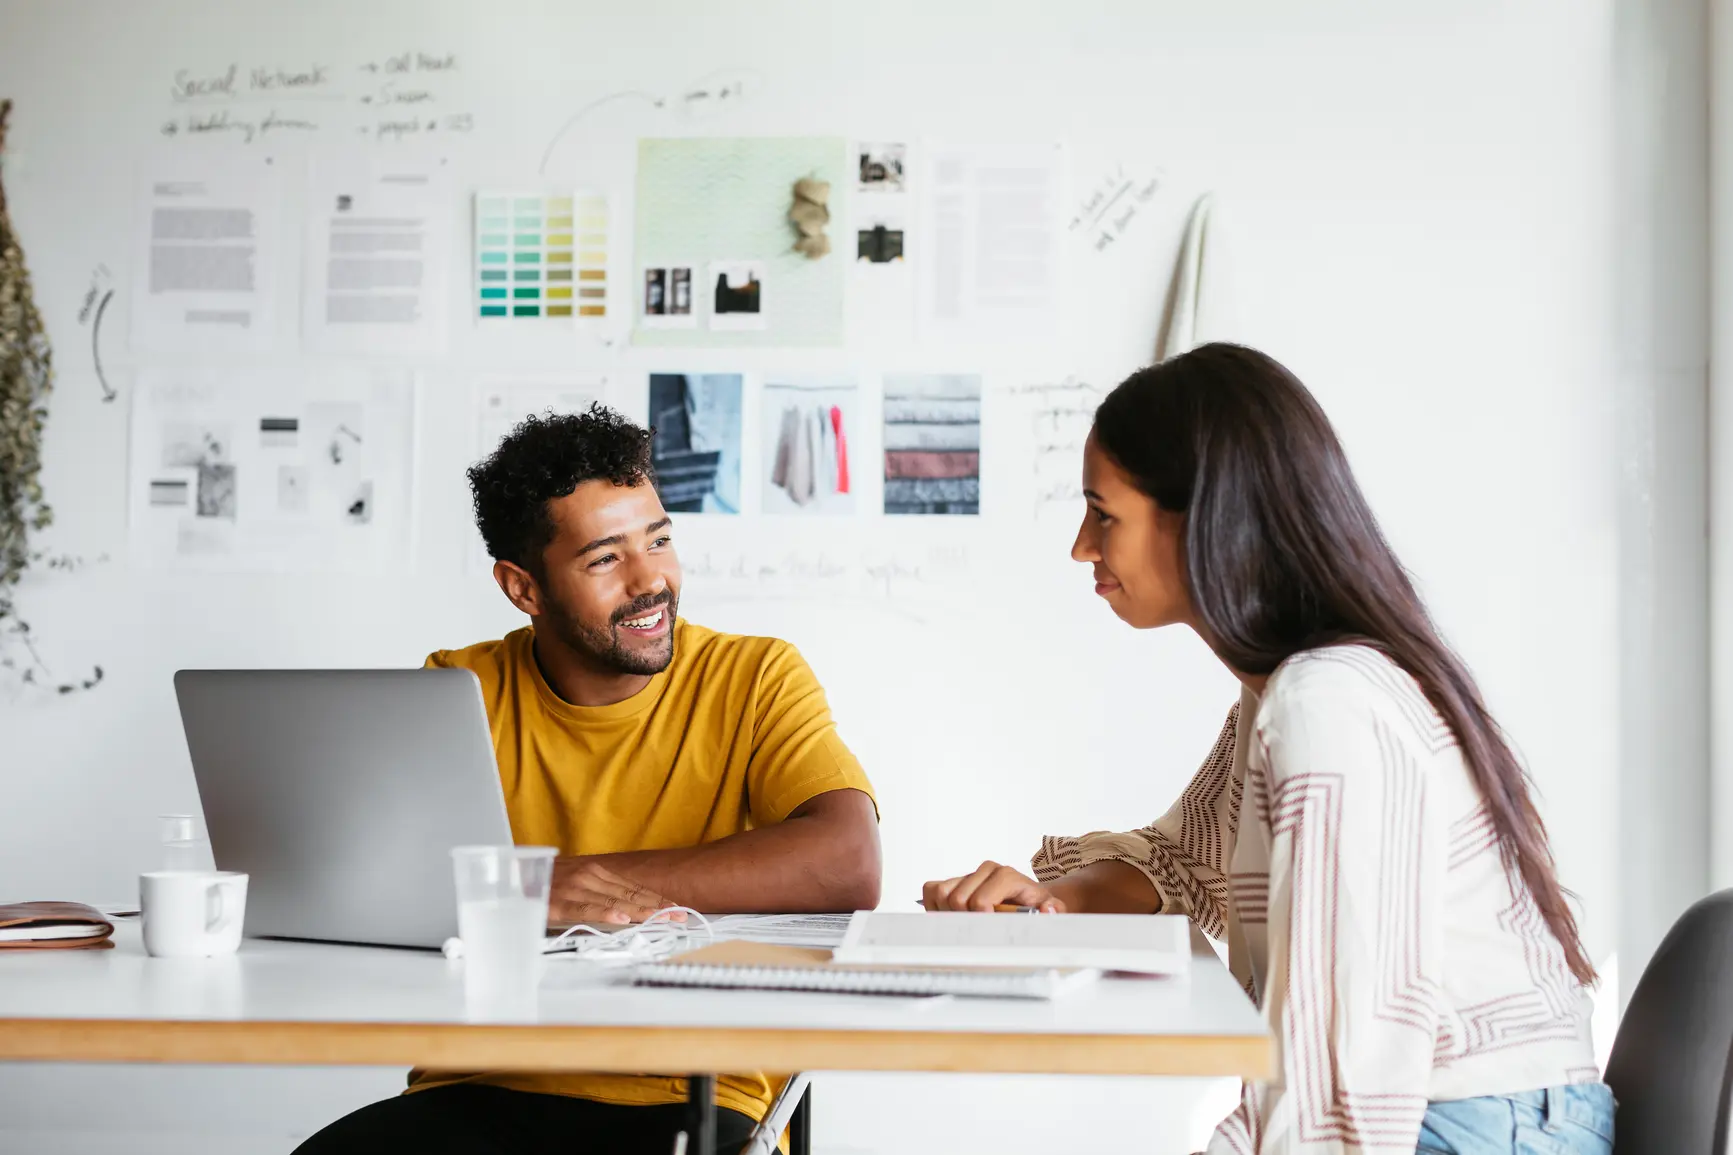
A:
1573, 1120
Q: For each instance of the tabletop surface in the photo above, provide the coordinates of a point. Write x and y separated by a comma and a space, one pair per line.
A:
306, 1002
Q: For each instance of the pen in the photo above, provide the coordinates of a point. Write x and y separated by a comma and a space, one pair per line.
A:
1001, 908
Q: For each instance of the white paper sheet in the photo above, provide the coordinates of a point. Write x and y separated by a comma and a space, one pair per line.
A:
262, 470
990, 231
815, 930
502, 402
208, 240
377, 261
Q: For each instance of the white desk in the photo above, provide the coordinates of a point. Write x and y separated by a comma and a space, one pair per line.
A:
303, 1003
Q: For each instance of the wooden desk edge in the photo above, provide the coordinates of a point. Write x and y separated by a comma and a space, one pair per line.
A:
672, 1050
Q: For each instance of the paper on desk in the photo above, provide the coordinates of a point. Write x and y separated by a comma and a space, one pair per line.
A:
813, 930
206, 268
630, 945
377, 264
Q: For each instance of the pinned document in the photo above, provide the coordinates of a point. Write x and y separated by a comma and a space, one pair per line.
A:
208, 245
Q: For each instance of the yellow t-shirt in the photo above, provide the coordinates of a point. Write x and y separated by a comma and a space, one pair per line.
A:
734, 734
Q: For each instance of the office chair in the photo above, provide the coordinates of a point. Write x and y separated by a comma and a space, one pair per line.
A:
1672, 1059
793, 1110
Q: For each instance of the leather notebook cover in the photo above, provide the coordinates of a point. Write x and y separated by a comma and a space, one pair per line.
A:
60, 918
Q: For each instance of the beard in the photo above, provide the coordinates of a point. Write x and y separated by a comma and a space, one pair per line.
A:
605, 645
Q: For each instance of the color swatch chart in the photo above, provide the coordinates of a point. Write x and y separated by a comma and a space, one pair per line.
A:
541, 255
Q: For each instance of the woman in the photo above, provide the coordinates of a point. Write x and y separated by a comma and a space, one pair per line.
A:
1361, 835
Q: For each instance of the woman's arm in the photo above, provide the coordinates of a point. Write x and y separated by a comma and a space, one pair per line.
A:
1350, 989
1183, 855
1106, 887
1177, 864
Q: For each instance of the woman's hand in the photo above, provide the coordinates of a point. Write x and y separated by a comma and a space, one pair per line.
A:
989, 886
1100, 888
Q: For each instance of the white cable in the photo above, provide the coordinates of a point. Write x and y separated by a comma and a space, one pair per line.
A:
653, 938
646, 941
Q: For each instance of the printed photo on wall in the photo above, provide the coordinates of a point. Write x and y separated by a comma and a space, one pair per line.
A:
881, 167
806, 437
737, 300
880, 243
695, 446
932, 443
667, 299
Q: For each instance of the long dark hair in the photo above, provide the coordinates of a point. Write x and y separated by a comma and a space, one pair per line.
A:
1282, 554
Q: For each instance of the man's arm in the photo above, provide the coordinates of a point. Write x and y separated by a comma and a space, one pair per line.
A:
823, 857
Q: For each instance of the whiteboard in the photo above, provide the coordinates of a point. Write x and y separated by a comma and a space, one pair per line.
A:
1418, 223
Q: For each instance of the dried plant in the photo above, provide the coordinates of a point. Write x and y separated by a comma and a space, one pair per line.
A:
26, 376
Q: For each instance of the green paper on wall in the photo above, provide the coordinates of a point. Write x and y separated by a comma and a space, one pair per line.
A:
711, 207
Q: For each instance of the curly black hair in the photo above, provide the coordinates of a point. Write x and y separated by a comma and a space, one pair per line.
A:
546, 457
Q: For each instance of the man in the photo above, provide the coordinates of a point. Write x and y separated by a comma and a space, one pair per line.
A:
670, 764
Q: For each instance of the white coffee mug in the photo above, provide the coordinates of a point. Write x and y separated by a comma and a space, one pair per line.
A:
192, 914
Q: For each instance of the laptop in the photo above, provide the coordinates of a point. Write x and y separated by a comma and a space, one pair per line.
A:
341, 793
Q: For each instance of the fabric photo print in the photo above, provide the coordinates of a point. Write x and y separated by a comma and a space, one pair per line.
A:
932, 440
695, 447
806, 438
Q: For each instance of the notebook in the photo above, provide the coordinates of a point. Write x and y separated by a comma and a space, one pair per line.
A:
1148, 944
53, 926
766, 966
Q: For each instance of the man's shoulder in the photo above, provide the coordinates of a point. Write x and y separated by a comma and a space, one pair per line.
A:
704, 648
485, 658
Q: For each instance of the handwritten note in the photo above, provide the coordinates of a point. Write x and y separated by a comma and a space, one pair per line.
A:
879, 574
94, 309
388, 100
1112, 204
1060, 416
717, 92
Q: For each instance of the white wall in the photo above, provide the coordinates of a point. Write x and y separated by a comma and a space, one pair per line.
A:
1720, 41
1663, 452
1421, 202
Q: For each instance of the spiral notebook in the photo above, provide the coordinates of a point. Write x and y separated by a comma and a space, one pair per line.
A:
763, 966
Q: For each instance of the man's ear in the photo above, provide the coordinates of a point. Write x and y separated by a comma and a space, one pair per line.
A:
519, 587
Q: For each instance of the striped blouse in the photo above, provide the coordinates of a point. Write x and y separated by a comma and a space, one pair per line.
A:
1339, 846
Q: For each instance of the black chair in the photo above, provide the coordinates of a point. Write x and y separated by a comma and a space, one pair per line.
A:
1672, 1063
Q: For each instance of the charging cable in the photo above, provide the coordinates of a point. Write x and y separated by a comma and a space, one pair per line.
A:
655, 937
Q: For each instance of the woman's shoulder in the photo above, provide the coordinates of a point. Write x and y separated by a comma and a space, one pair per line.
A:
1351, 683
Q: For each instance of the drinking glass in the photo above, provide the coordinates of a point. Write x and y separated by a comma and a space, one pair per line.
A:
184, 846
502, 919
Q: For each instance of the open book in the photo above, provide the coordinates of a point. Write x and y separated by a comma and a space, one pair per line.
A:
1147, 944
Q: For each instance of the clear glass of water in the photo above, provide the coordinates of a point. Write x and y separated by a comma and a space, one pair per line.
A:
183, 842
502, 918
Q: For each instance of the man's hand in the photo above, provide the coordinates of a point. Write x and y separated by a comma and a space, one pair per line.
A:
823, 857
584, 891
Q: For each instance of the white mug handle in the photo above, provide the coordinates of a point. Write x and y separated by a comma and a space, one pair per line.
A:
216, 908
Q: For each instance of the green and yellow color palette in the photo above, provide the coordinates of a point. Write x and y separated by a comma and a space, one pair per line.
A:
541, 255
